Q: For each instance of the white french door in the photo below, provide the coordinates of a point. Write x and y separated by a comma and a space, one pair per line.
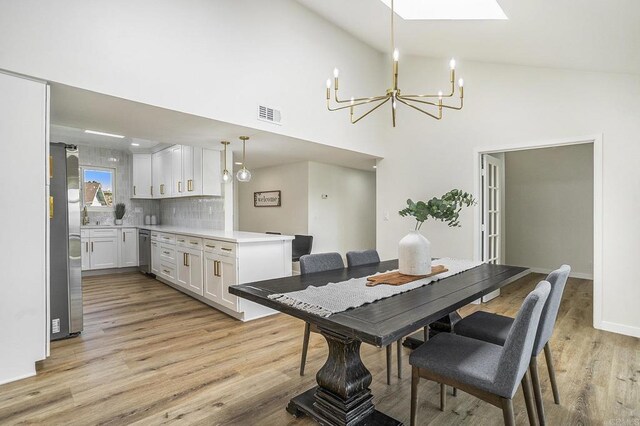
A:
492, 169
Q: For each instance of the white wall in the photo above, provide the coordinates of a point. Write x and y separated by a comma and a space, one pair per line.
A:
346, 219
23, 226
289, 219
216, 59
549, 208
507, 105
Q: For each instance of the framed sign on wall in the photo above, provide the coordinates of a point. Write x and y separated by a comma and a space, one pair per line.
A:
266, 199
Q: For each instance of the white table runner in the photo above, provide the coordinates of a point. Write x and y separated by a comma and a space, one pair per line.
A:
338, 297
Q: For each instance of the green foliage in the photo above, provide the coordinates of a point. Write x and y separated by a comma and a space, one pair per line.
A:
120, 209
445, 209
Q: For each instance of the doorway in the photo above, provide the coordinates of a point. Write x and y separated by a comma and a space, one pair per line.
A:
492, 235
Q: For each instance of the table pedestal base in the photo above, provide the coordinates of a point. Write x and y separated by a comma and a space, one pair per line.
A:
303, 404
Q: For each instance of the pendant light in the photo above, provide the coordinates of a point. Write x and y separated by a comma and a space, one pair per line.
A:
226, 176
243, 174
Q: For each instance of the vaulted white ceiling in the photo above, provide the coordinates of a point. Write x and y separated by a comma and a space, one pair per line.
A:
594, 35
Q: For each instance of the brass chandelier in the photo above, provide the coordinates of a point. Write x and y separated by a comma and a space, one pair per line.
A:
434, 102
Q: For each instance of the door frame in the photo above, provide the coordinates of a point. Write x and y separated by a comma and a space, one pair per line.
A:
597, 141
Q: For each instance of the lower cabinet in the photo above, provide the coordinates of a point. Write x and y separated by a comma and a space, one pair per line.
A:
189, 269
128, 247
155, 257
106, 248
104, 253
219, 273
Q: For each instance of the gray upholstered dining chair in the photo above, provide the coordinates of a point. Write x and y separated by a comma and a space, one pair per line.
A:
485, 370
365, 257
321, 262
495, 328
370, 257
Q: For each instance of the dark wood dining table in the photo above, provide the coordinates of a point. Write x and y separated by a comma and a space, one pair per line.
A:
342, 395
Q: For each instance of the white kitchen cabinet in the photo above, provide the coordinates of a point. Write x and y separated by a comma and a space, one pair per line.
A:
189, 270
128, 247
161, 173
177, 184
155, 257
220, 272
104, 252
182, 171
142, 176
86, 254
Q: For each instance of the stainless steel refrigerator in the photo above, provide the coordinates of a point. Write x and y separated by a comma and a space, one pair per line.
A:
65, 246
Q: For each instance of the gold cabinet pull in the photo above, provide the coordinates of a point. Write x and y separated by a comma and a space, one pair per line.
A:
179, 186
190, 185
86, 247
124, 237
226, 249
91, 246
162, 189
188, 262
134, 190
51, 167
151, 190
50, 207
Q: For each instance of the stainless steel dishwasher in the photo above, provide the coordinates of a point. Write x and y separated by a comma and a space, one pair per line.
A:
144, 251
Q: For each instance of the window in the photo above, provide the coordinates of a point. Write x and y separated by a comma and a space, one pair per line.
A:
98, 188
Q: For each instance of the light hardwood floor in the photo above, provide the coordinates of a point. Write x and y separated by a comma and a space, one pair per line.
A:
151, 355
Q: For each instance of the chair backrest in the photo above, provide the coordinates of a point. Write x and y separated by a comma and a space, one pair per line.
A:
516, 351
301, 245
557, 279
320, 262
366, 257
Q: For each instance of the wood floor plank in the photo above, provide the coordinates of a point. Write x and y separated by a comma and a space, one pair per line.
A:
150, 355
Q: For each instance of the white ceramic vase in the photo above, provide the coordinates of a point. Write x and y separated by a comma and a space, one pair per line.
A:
414, 254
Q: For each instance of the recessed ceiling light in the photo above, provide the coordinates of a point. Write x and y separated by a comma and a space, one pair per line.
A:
94, 132
447, 9
375, 167
135, 144
239, 163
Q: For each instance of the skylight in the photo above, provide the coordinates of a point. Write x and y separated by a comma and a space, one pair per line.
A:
447, 9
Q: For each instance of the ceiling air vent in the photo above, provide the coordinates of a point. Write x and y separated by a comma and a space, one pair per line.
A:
269, 114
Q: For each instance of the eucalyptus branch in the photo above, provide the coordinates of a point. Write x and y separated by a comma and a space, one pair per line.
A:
445, 209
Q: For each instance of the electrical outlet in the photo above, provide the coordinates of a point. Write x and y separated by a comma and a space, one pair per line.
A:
55, 325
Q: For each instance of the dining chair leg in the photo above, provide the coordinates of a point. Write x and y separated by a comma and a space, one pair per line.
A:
399, 355
455, 391
507, 412
552, 373
528, 399
305, 346
388, 347
443, 397
415, 379
537, 393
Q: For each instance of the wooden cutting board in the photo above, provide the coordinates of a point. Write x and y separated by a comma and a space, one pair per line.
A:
396, 278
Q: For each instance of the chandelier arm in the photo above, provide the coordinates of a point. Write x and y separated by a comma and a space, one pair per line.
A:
371, 99
437, 117
453, 91
368, 112
355, 104
435, 104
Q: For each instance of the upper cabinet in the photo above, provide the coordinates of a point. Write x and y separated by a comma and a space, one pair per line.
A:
181, 171
142, 179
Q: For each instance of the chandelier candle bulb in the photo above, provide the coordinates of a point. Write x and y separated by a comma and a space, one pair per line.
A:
452, 64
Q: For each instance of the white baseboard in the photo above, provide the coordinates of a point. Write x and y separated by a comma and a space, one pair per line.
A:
579, 275
613, 327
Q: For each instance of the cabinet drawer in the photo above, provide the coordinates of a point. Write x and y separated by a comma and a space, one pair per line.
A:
211, 246
155, 236
189, 242
168, 254
98, 233
227, 249
168, 272
167, 238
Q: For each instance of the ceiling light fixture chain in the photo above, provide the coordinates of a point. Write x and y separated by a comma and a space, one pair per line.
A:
226, 176
394, 94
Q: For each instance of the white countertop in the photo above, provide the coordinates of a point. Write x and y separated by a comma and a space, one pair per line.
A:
232, 236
